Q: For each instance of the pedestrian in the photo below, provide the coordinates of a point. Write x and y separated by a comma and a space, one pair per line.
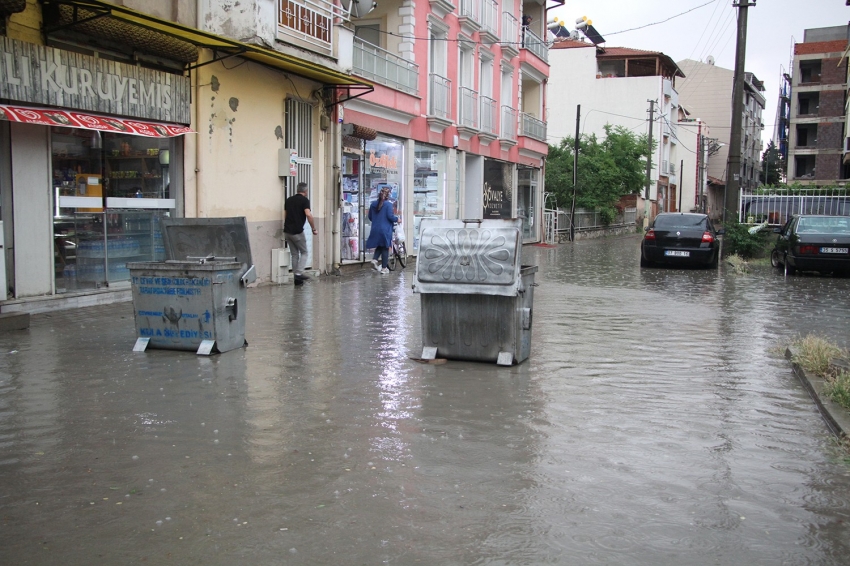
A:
296, 211
383, 218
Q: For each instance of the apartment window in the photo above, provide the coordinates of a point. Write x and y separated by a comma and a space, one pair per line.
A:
810, 71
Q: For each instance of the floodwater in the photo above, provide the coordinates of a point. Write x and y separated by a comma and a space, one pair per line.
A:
656, 422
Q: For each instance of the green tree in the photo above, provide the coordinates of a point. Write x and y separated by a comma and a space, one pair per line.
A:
607, 169
772, 166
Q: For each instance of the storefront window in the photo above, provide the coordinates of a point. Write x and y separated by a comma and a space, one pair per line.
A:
351, 201
498, 188
429, 186
526, 193
109, 191
383, 166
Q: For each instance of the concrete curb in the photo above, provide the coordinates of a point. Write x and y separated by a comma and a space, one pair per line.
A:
837, 418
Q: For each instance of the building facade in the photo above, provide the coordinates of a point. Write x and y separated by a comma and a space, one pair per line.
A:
707, 94
115, 115
816, 148
456, 124
614, 85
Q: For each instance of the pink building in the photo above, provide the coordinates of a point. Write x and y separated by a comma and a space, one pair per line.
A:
456, 122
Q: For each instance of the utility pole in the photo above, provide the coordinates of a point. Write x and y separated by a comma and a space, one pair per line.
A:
700, 168
648, 165
733, 168
575, 177
681, 174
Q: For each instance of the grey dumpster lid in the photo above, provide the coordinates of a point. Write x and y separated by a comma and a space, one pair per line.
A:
201, 237
469, 257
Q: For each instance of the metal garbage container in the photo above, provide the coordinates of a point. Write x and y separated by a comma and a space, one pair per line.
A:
196, 299
476, 297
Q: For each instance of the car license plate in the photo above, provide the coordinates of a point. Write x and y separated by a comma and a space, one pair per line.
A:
677, 253
833, 250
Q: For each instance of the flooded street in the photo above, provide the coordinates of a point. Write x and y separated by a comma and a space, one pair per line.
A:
656, 422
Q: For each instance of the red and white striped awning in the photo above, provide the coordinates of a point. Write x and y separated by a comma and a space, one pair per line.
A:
74, 119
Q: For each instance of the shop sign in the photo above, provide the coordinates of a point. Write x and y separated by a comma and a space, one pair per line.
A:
51, 117
497, 190
383, 161
43, 75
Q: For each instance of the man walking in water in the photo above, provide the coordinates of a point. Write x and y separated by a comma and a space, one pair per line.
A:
296, 211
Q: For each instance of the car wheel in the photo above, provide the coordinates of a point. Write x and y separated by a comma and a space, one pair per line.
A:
789, 269
645, 262
775, 261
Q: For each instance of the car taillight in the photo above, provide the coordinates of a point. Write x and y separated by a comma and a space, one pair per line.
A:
808, 249
650, 235
707, 237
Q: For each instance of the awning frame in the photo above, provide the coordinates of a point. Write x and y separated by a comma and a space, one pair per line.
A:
261, 55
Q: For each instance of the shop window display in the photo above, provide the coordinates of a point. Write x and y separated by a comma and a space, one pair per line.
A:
93, 243
383, 166
429, 186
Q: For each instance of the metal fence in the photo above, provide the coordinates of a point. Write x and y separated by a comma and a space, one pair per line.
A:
775, 207
585, 220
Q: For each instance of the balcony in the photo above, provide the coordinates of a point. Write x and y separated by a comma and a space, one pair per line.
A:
469, 15
467, 118
489, 21
507, 132
533, 128
308, 23
510, 35
439, 102
373, 63
533, 43
489, 108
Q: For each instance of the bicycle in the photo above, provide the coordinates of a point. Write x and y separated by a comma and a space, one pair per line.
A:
398, 250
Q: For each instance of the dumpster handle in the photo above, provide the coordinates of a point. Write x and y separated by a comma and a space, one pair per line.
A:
471, 220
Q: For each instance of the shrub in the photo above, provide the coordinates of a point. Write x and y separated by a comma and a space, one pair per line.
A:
738, 241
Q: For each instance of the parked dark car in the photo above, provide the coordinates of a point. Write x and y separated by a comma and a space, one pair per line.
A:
678, 238
813, 242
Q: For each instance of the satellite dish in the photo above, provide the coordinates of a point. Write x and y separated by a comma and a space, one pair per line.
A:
358, 8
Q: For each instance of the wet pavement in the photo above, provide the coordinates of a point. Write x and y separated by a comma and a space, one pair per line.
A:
656, 422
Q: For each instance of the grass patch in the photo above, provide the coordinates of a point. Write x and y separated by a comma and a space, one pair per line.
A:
838, 389
814, 354
739, 265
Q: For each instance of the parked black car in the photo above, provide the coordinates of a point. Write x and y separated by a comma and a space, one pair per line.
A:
813, 242
678, 238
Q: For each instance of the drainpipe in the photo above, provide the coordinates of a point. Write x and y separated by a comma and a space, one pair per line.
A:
335, 209
198, 22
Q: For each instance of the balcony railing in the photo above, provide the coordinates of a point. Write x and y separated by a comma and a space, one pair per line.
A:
490, 17
489, 107
376, 64
508, 129
471, 9
533, 43
467, 108
441, 97
533, 128
309, 22
510, 33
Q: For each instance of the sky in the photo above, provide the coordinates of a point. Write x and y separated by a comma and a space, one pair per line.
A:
773, 26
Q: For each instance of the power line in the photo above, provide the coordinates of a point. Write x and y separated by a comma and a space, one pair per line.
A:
663, 21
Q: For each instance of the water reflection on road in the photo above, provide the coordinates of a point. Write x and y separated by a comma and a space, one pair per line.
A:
655, 423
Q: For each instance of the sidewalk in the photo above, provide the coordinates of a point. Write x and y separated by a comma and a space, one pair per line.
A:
837, 418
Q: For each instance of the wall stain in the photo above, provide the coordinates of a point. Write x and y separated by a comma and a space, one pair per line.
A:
278, 133
215, 84
234, 103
